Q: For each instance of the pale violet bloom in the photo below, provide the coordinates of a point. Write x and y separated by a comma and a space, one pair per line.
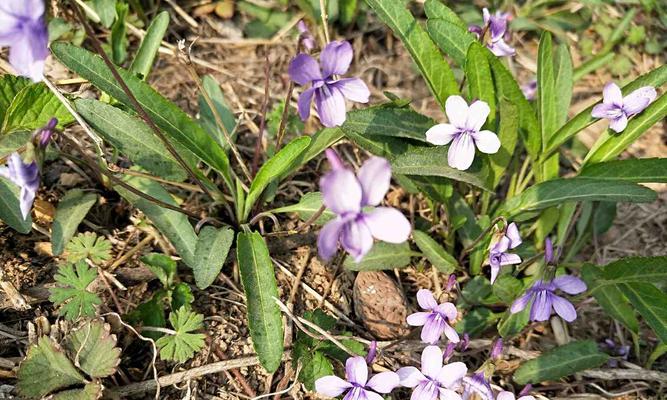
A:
23, 29
498, 255
464, 132
542, 297
305, 36
26, 177
617, 109
356, 383
434, 381
329, 90
529, 89
477, 385
435, 320
349, 196
504, 395
495, 32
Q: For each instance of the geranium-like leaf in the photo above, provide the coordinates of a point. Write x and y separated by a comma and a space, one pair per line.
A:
88, 245
91, 391
72, 294
93, 349
46, 369
182, 345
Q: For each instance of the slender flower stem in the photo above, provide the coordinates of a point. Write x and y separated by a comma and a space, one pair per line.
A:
137, 106
262, 122
481, 236
288, 98
298, 229
325, 18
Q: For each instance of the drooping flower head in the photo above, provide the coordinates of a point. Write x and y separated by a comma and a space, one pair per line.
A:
435, 320
23, 29
498, 255
495, 33
617, 109
477, 385
497, 350
329, 91
435, 380
26, 177
305, 36
529, 89
504, 395
347, 195
42, 136
543, 298
372, 352
463, 131
356, 383
549, 258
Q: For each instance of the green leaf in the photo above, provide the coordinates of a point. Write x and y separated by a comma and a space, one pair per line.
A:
633, 270
173, 224
476, 321
10, 86
508, 134
106, 10
348, 11
169, 117
143, 61
309, 204
452, 38
507, 288
480, 82
182, 345
436, 10
133, 138
563, 83
10, 207
11, 142
118, 34
389, 121
151, 313
651, 303
72, 209
314, 366
181, 296
272, 169
637, 170
428, 161
93, 348
32, 108
211, 252
319, 142
557, 191
655, 78
45, 369
610, 298
88, 245
212, 88
610, 144
560, 362
547, 112
72, 291
259, 283
383, 256
512, 324
162, 266
92, 391
436, 254
435, 70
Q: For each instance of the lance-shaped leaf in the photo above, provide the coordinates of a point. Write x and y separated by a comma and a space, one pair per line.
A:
309, 204
93, 349
259, 283
435, 253
208, 118
435, 9
389, 121
72, 292
10, 208
480, 82
183, 344
547, 112
210, 255
508, 134
610, 298
453, 39
383, 256
143, 61
435, 70
639, 170
560, 362
633, 270
651, 303
72, 209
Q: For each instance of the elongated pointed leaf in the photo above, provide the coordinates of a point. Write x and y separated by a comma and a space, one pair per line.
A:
633, 270
610, 298
143, 61
383, 256
273, 169
651, 303
508, 133
546, 104
207, 117
560, 362
435, 70
211, 252
453, 39
480, 82
563, 83
72, 209
259, 283
309, 204
640, 170
389, 121
435, 9
176, 124
435, 253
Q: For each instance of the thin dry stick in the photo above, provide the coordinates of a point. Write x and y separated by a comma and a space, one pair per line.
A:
135, 103
262, 122
115, 168
327, 290
144, 242
299, 228
235, 371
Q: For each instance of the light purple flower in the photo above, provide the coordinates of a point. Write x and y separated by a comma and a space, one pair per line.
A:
434, 381
549, 252
330, 91
26, 177
497, 350
529, 89
22, 28
477, 384
435, 319
543, 298
498, 255
347, 195
372, 352
463, 131
510, 396
617, 109
495, 26
356, 382
305, 36
42, 136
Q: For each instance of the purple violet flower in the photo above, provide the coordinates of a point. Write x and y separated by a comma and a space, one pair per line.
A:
529, 89
330, 91
356, 382
463, 131
347, 195
22, 28
510, 396
26, 177
372, 352
498, 255
477, 384
543, 298
42, 136
617, 109
495, 26
434, 381
435, 319
549, 252
497, 350
305, 36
